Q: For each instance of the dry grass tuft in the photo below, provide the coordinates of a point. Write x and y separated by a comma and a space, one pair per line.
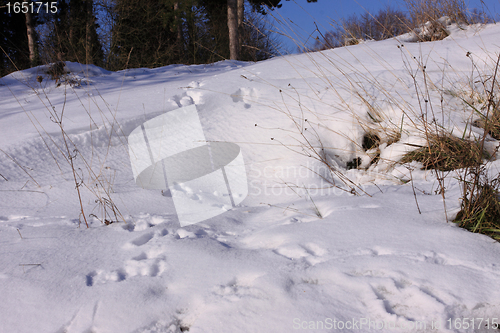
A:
480, 208
446, 152
423, 11
491, 125
433, 31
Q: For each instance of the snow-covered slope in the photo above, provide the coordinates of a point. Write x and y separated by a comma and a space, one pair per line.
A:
296, 254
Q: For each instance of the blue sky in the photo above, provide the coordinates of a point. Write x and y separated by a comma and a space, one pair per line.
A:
302, 15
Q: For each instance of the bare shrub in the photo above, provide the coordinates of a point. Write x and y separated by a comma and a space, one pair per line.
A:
423, 11
427, 19
56, 70
387, 23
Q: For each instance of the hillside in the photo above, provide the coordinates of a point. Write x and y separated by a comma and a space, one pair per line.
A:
296, 253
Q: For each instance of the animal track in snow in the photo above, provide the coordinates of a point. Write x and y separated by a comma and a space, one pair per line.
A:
245, 95
182, 100
146, 264
240, 287
143, 239
148, 261
151, 261
311, 252
396, 296
101, 276
400, 296
190, 96
146, 221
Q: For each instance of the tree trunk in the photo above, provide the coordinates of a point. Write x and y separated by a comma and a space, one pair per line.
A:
192, 45
180, 34
31, 38
232, 24
241, 12
178, 23
241, 16
88, 34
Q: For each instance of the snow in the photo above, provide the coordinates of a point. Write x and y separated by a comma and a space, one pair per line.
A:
296, 254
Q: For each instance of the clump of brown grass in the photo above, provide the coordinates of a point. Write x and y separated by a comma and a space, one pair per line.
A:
422, 11
433, 31
480, 208
491, 125
446, 152
429, 18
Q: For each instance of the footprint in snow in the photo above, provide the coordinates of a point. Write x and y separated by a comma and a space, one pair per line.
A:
245, 95
146, 221
100, 276
310, 252
240, 287
149, 261
143, 239
405, 299
191, 96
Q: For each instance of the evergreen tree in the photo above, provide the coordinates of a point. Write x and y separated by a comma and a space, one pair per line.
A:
14, 46
152, 33
74, 35
146, 33
226, 23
